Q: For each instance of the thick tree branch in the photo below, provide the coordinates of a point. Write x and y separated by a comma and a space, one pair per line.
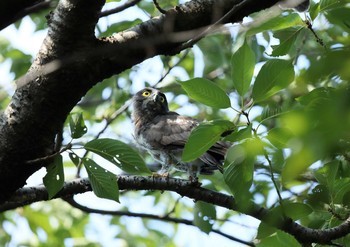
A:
28, 195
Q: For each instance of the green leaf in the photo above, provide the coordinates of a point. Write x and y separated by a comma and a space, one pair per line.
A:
242, 134
276, 23
77, 125
239, 169
103, 183
242, 67
206, 92
280, 239
271, 111
203, 137
120, 26
204, 216
265, 230
332, 62
322, 93
314, 11
74, 158
54, 178
287, 39
37, 219
215, 57
120, 154
279, 137
274, 75
326, 175
341, 188
326, 5
297, 211
296, 164
19, 61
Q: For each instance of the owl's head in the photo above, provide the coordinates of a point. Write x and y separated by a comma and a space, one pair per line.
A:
150, 101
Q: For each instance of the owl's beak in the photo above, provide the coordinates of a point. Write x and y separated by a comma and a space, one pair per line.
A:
156, 98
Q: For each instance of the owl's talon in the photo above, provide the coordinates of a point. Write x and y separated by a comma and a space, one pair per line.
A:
196, 183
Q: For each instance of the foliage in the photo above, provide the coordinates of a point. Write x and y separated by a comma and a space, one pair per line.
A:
276, 87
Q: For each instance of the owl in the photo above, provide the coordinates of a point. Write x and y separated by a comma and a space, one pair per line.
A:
164, 133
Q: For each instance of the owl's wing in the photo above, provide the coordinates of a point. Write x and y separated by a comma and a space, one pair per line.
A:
171, 131
214, 157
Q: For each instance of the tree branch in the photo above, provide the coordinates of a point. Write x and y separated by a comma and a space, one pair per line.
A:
119, 8
28, 195
167, 72
13, 10
166, 218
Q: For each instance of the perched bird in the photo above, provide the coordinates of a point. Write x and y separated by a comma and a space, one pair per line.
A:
164, 133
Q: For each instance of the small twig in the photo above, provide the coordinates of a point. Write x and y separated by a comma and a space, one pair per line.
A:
42, 159
337, 215
318, 39
198, 37
114, 116
239, 112
119, 8
158, 7
166, 217
246, 114
171, 67
236, 223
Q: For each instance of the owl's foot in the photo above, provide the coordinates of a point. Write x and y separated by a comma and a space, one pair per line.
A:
160, 175
194, 181
193, 173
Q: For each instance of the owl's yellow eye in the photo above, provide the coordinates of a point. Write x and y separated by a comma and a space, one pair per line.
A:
146, 93
162, 99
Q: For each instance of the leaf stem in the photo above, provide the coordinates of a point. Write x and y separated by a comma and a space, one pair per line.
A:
273, 180
239, 112
246, 114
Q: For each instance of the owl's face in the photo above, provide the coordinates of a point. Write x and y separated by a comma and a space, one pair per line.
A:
150, 100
